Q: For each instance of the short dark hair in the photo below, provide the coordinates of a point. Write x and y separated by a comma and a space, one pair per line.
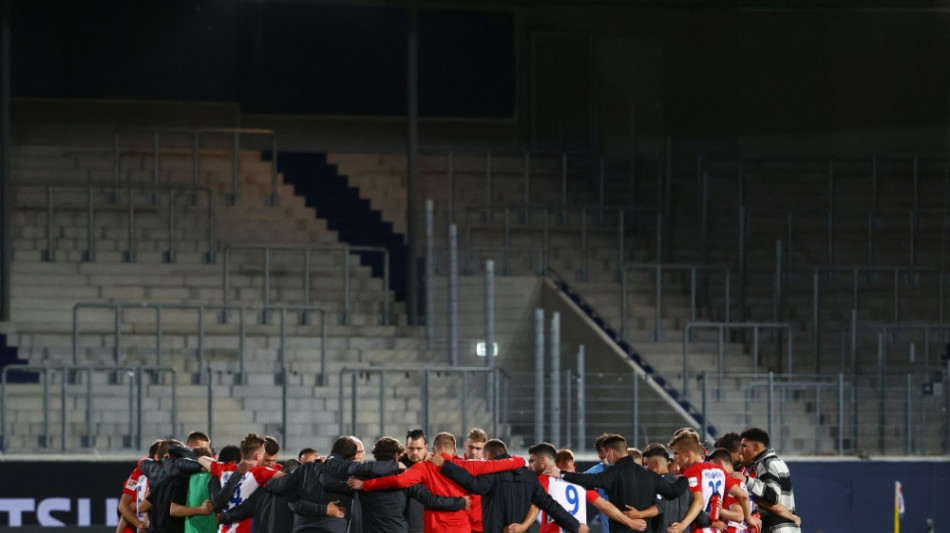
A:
495, 447
720, 454
305, 451
290, 465
729, 441
616, 443
195, 436
417, 433
756, 435
164, 445
545, 449
230, 454
202, 451
271, 445
344, 447
153, 449
599, 443
656, 450
387, 449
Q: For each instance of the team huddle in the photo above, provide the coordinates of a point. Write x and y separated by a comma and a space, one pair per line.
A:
741, 486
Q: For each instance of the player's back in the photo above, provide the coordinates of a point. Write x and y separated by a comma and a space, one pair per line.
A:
709, 479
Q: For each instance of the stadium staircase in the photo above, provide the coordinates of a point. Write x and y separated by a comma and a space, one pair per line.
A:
45, 292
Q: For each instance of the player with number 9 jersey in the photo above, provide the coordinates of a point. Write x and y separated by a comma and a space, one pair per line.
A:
572, 497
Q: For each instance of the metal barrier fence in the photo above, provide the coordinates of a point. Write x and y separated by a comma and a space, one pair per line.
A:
118, 310
721, 328
624, 219
305, 251
131, 251
896, 414
658, 269
933, 337
569, 165
134, 437
426, 379
196, 134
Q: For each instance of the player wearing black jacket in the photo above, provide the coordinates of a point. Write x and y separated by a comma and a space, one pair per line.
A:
272, 513
324, 483
626, 482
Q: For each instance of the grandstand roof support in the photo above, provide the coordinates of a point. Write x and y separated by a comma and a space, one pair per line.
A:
6, 246
412, 150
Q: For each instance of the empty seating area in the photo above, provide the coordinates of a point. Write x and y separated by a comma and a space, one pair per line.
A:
805, 295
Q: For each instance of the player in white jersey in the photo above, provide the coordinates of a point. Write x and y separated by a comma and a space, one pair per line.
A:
238, 482
572, 497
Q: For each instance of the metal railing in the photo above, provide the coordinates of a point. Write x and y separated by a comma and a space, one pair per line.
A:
892, 333
897, 273
658, 269
585, 164
132, 250
873, 224
721, 328
777, 388
489, 394
196, 135
118, 310
624, 219
305, 251
89, 440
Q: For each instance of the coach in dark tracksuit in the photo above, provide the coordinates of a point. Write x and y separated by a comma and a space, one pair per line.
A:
389, 509
507, 496
626, 482
323, 483
271, 513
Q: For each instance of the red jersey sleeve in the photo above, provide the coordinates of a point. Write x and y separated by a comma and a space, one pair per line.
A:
219, 468
592, 496
415, 475
730, 482
692, 475
263, 474
133, 480
478, 468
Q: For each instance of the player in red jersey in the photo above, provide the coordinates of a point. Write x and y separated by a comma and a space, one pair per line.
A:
732, 513
129, 520
706, 482
429, 475
474, 451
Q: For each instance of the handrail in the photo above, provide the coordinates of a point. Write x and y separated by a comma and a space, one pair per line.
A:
462, 371
721, 327
131, 253
118, 308
658, 269
66, 370
196, 134
669, 393
346, 249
